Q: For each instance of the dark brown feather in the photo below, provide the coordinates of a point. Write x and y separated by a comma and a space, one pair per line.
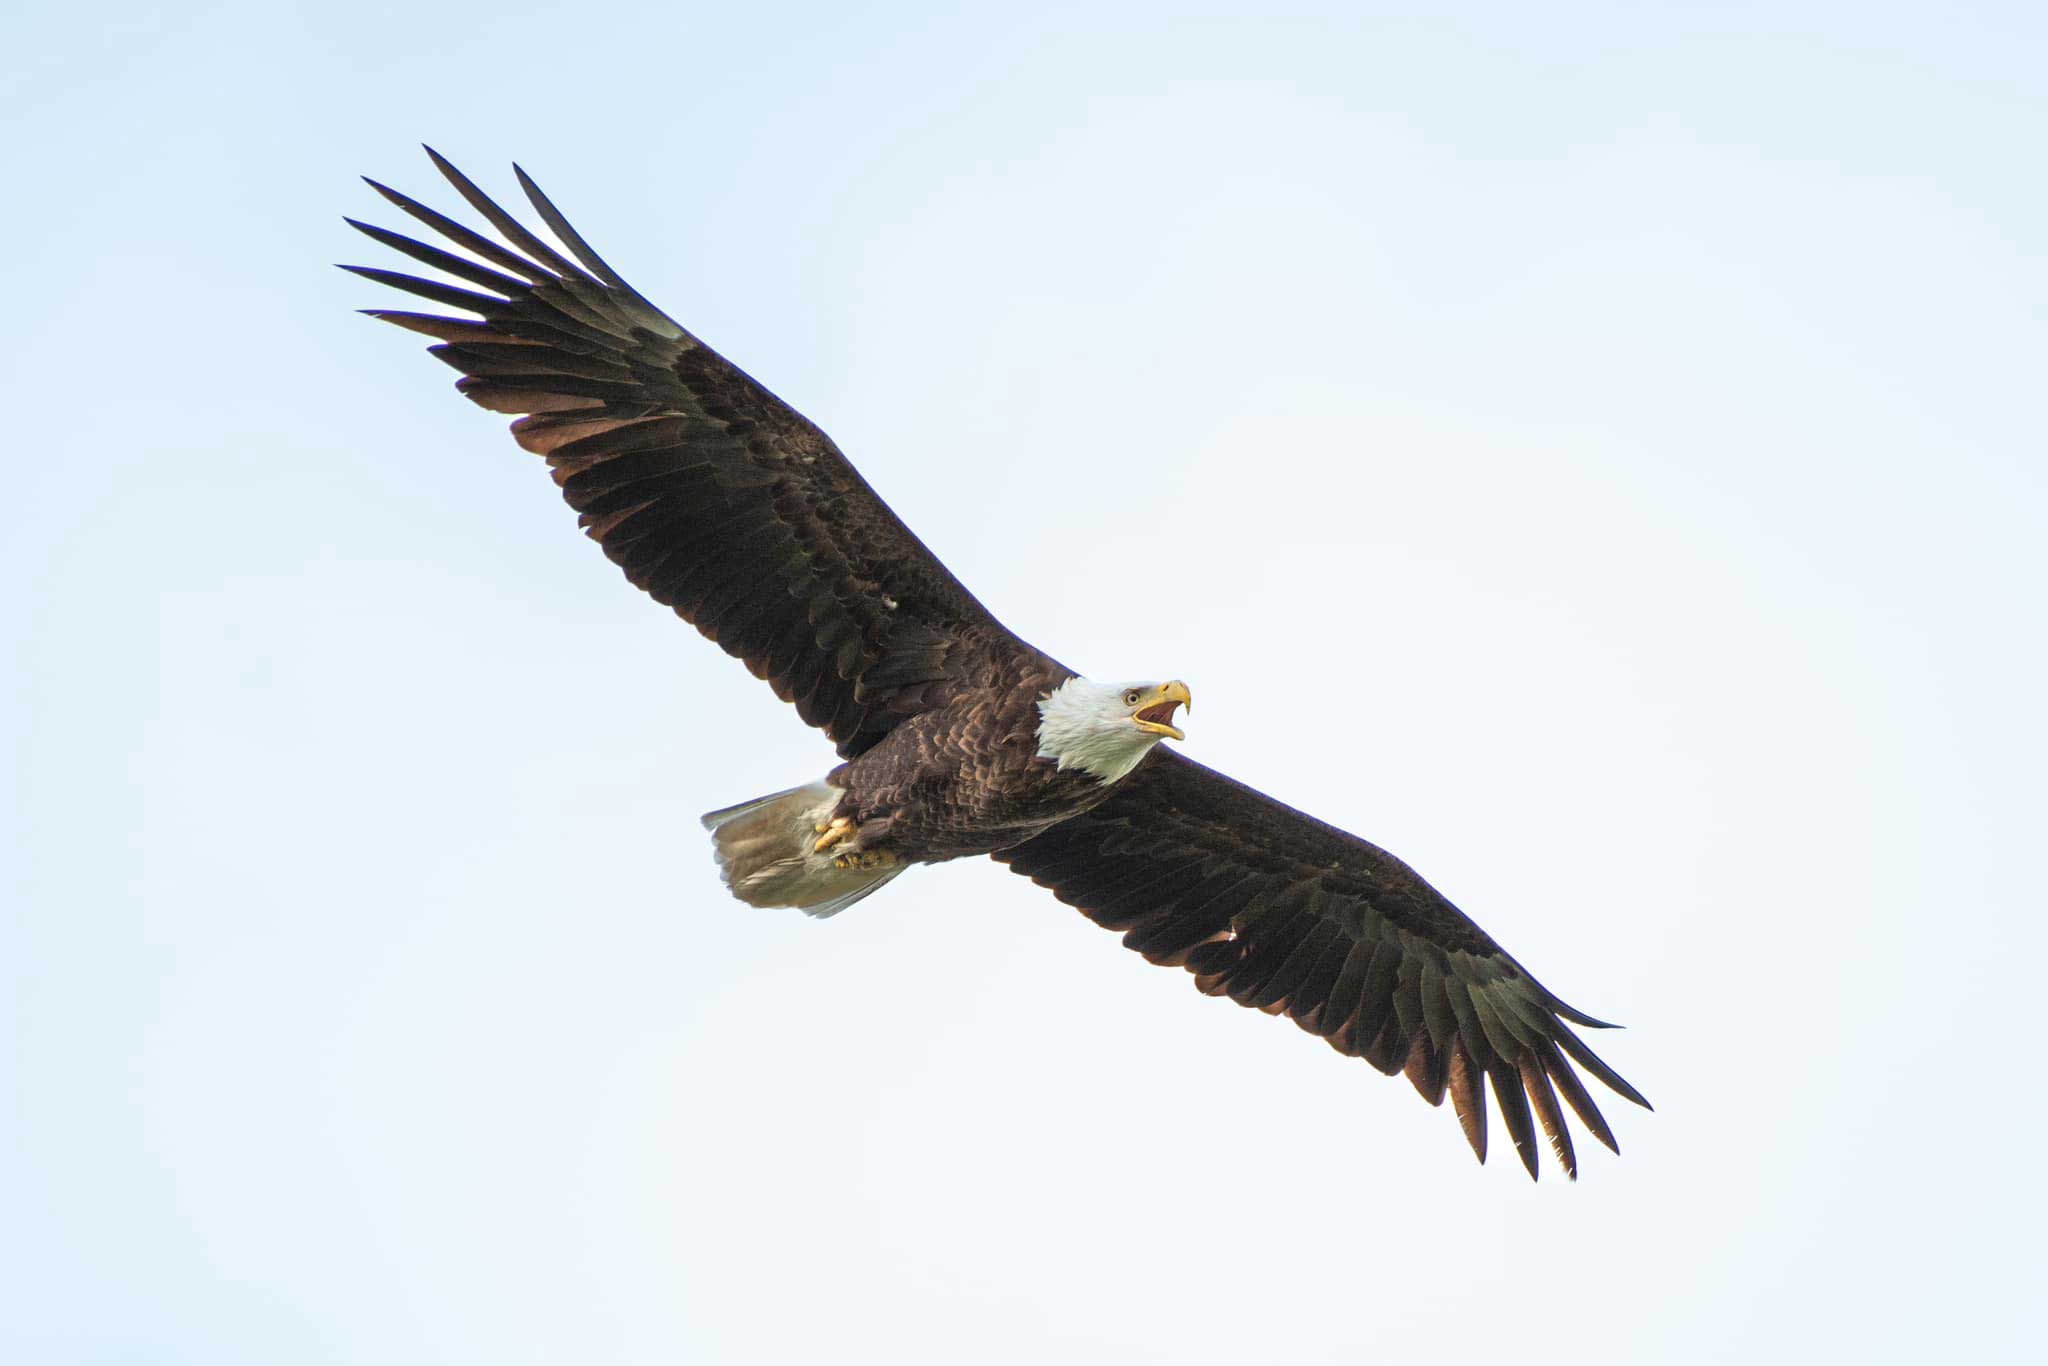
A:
698, 482
463, 237
1514, 1110
1537, 1083
1468, 1099
1340, 1008
1334, 930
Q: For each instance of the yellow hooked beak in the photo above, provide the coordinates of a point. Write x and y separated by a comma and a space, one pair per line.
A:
1155, 713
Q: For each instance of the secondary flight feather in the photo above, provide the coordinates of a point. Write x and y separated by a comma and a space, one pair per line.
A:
956, 737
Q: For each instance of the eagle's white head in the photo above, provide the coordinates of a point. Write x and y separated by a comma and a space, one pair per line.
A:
1106, 728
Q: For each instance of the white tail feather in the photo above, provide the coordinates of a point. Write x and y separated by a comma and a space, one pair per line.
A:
764, 853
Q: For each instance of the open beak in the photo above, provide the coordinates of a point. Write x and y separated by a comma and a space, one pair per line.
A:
1156, 716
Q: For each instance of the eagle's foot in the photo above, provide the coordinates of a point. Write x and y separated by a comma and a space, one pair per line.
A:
865, 859
838, 831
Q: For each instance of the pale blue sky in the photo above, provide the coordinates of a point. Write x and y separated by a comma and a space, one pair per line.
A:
1634, 413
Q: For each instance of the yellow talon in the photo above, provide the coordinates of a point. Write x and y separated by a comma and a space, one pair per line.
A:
840, 830
866, 858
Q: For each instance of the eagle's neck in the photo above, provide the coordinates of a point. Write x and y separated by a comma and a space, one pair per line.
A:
1084, 724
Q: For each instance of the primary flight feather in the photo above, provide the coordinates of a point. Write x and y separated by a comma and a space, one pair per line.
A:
958, 738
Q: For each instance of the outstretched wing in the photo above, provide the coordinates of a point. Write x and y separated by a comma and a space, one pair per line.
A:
712, 494
1277, 910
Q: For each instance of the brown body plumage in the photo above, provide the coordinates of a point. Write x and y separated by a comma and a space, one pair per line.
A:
965, 779
725, 504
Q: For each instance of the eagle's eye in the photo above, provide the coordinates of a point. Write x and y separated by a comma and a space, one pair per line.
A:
1131, 697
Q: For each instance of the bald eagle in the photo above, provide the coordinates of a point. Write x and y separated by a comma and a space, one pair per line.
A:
957, 737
